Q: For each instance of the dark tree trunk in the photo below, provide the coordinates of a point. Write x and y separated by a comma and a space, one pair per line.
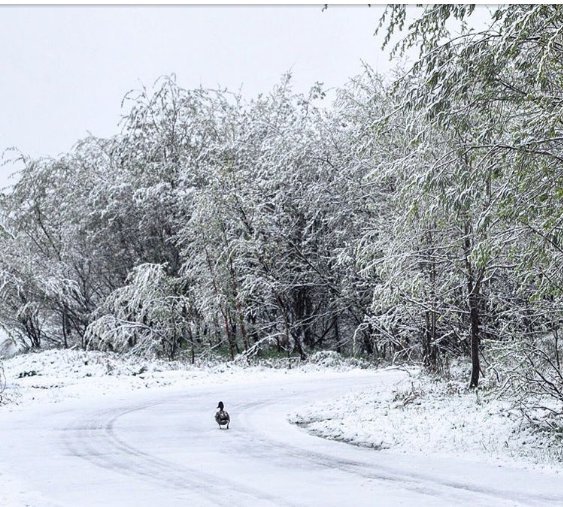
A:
368, 345
474, 320
303, 311
229, 334
336, 331
429, 352
429, 338
299, 345
473, 288
192, 343
65, 327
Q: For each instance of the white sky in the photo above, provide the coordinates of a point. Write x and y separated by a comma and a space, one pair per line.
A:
65, 69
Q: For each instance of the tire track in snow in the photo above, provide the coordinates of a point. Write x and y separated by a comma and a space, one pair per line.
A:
419, 482
95, 439
281, 452
101, 442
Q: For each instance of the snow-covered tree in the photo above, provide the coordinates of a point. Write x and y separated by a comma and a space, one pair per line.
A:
495, 93
148, 316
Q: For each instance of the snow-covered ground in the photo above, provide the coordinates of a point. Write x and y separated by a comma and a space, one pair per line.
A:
95, 429
422, 416
57, 375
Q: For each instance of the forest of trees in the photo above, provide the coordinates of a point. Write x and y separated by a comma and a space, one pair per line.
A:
416, 218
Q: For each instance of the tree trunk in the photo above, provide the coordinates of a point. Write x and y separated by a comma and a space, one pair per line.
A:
299, 344
429, 352
228, 332
65, 327
336, 331
474, 320
473, 287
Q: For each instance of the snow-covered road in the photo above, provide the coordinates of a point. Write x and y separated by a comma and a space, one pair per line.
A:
162, 447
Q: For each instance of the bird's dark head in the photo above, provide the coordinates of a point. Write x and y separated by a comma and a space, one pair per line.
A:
220, 406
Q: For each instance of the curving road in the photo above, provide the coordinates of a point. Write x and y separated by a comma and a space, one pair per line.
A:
162, 448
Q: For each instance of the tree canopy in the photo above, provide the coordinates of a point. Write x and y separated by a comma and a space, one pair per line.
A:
418, 219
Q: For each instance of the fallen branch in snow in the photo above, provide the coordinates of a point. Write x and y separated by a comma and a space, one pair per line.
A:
251, 351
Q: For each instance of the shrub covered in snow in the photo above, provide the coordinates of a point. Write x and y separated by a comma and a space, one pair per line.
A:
330, 358
530, 373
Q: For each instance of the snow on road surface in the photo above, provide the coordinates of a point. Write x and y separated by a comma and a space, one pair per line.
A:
161, 447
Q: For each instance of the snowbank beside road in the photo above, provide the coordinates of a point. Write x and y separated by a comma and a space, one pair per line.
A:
424, 416
56, 375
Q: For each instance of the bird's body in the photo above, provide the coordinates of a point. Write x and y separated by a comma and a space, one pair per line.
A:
222, 416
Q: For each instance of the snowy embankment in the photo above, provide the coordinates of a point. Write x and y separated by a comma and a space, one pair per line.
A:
57, 375
421, 415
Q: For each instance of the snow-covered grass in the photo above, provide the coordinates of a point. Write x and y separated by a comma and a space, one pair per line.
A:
56, 375
425, 415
